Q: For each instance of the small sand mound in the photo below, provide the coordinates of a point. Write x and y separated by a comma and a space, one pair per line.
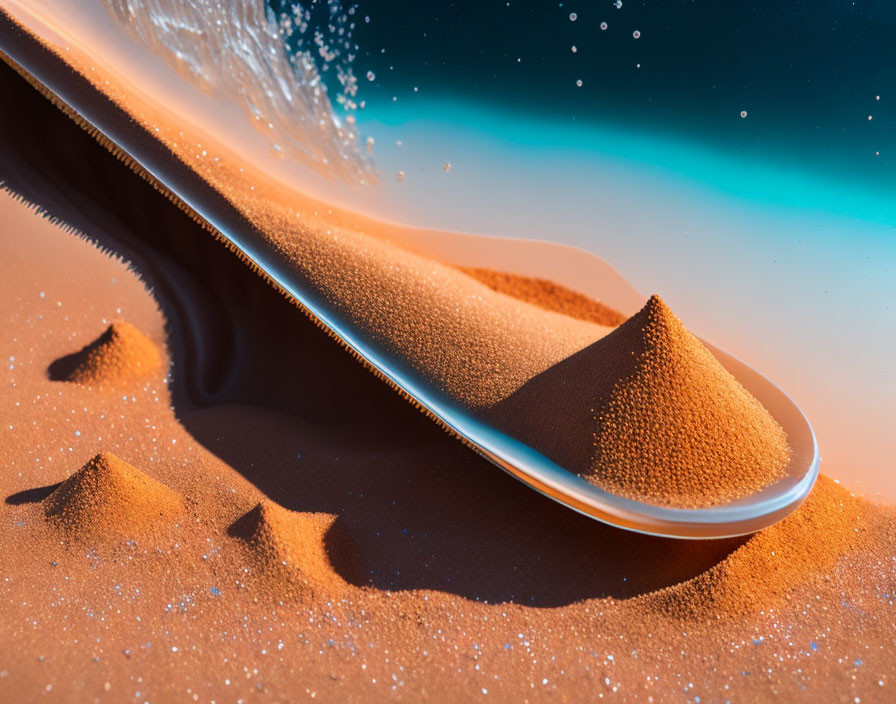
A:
298, 547
108, 497
119, 356
773, 562
647, 412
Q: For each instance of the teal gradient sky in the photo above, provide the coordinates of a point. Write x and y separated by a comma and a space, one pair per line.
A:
782, 182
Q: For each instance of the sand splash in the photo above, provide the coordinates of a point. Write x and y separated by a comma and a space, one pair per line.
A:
272, 66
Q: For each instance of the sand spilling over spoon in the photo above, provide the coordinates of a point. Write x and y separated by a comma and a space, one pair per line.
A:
647, 412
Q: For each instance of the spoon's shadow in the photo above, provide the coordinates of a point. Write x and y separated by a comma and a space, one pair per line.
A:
270, 394
427, 513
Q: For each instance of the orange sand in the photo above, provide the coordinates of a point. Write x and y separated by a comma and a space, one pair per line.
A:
676, 427
800, 610
483, 349
107, 497
761, 574
294, 547
548, 295
472, 343
121, 355
647, 412
473, 587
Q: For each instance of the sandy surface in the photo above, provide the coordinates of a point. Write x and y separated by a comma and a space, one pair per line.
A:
301, 532
460, 583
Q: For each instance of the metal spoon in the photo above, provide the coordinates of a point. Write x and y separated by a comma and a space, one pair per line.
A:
92, 110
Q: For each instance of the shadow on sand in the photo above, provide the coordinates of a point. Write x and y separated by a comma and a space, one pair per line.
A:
31, 496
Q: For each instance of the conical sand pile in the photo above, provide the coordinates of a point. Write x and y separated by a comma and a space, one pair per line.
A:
647, 412
119, 356
677, 427
296, 547
108, 498
548, 295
